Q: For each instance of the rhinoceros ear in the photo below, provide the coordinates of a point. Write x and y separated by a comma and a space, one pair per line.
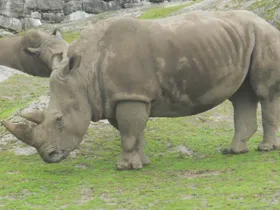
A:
57, 33
74, 62
32, 51
70, 63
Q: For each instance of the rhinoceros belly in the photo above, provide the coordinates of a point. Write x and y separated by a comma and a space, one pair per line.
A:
197, 88
199, 96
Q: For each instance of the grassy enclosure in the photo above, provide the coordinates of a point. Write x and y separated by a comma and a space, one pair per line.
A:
188, 170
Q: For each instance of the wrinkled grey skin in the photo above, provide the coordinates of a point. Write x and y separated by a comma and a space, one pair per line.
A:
35, 53
126, 70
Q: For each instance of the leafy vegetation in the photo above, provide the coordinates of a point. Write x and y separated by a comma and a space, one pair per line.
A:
267, 7
70, 36
161, 12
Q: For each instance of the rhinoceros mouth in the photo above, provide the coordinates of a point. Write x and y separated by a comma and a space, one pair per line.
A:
53, 155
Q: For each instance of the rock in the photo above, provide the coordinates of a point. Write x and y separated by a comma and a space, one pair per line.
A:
31, 23
72, 6
4, 33
44, 5
134, 3
6, 72
98, 6
78, 15
13, 8
52, 17
10, 23
36, 15
27, 150
16, 15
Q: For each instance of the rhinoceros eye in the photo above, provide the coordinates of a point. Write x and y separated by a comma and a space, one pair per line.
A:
59, 122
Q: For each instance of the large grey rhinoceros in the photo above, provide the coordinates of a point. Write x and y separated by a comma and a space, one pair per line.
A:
35, 53
127, 70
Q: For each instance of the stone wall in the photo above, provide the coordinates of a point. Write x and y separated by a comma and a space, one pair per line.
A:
16, 15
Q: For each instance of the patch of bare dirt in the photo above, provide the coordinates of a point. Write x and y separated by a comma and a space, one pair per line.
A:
187, 197
82, 166
13, 172
10, 143
275, 199
86, 195
184, 150
107, 199
6, 72
202, 173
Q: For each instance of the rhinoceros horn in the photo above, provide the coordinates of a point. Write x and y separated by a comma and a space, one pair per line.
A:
36, 117
21, 131
33, 51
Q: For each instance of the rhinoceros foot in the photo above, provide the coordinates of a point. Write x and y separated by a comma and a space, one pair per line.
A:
230, 151
236, 147
129, 161
267, 146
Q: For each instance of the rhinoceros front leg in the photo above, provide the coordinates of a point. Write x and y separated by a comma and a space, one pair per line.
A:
270, 118
244, 104
131, 122
144, 158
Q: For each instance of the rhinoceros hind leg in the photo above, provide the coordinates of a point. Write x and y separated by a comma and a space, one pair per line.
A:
270, 120
131, 120
244, 103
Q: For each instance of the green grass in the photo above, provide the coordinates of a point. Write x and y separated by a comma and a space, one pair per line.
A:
70, 36
18, 91
88, 180
161, 12
269, 7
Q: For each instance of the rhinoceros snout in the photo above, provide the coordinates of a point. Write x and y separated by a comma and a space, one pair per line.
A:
53, 156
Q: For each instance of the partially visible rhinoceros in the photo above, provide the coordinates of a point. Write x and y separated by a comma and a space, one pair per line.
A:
35, 53
127, 70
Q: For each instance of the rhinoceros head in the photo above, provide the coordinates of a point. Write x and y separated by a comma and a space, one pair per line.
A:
49, 48
61, 126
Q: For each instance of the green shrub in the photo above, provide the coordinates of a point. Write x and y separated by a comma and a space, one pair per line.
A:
156, 1
161, 12
267, 7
